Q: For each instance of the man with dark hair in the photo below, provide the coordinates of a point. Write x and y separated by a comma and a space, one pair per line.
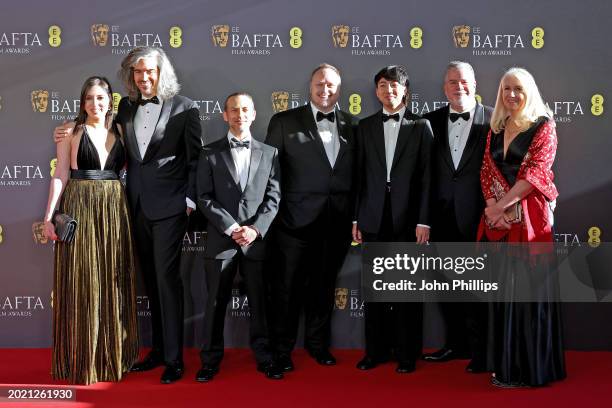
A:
163, 138
238, 185
393, 206
312, 232
460, 130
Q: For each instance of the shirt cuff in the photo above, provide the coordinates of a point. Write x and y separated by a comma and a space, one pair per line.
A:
190, 203
423, 225
231, 229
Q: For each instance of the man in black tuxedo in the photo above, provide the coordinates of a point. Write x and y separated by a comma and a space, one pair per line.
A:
393, 206
163, 138
460, 130
162, 134
238, 186
312, 232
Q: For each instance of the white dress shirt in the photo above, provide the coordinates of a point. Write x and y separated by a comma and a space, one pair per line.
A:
242, 163
458, 133
391, 129
329, 135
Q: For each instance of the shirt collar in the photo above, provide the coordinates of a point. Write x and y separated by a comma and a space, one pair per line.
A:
401, 112
451, 110
315, 110
230, 135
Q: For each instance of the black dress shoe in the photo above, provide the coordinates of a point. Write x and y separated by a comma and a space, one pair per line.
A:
271, 370
323, 357
405, 367
284, 362
444, 354
151, 361
171, 374
367, 363
206, 373
476, 366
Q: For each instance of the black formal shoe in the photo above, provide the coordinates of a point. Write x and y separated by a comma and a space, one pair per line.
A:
476, 366
444, 354
284, 362
271, 370
151, 361
405, 367
206, 373
323, 357
367, 363
172, 373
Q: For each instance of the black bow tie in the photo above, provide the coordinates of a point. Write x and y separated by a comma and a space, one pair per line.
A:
235, 143
143, 102
454, 116
395, 117
329, 116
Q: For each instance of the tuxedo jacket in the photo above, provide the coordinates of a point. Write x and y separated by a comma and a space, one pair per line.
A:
223, 203
458, 189
309, 183
410, 174
162, 179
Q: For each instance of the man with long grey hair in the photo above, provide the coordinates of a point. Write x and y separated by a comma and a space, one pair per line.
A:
162, 133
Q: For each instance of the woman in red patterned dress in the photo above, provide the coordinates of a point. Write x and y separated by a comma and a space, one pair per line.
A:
517, 183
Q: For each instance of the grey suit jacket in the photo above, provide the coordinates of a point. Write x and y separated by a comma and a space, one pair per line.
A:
223, 203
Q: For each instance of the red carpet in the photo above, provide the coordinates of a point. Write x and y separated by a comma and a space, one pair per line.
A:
239, 385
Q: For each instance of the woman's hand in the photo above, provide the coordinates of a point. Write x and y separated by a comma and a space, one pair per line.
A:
49, 231
493, 215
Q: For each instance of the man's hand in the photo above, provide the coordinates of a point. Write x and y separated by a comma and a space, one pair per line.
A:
422, 235
244, 235
357, 234
63, 131
189, 210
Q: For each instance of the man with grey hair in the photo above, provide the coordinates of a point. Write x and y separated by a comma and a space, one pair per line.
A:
162, 134
460, 132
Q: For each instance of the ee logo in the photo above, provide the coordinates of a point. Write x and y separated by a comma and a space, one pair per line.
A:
175, 37
55, 39
597, 104
537, 37
355, 104
594, 237
295, 37
416, 37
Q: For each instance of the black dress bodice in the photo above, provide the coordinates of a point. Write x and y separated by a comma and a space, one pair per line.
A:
88, 158
509, 165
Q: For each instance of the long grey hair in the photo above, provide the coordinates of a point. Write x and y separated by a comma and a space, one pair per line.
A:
167, 85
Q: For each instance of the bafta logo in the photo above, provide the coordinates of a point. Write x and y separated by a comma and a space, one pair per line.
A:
40, 100
341, 298
220, 35
280, 101
99, 34
340, 35
37, 233
461, 36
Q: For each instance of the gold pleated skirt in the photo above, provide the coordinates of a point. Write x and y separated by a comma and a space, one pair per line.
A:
95, 333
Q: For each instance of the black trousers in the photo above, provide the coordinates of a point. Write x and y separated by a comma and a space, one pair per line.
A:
159, 252
392, 330
465, 322
304, 267
220, 275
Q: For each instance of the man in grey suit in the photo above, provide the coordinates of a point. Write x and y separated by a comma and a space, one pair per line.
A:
238, 188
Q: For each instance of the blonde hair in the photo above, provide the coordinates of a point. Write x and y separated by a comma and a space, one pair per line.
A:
534, 104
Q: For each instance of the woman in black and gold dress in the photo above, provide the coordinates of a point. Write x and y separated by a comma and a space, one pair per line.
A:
94, 315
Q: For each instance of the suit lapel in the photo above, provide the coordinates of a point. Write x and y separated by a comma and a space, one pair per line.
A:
442, 133
160, 128
473, 136
256, 154
403, 136
130, 134
229, 162
342, 135
310, 125
379, 139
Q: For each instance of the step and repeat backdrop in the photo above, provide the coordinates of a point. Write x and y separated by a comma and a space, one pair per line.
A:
269, 48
